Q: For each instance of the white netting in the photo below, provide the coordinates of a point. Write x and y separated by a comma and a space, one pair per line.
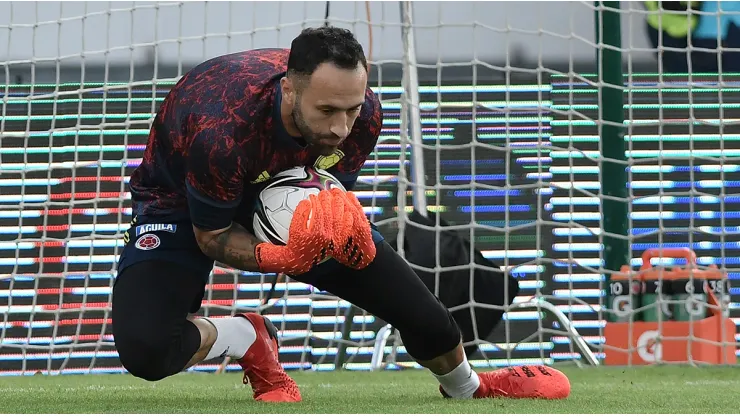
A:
509, 121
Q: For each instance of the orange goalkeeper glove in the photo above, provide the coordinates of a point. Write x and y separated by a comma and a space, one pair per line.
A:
353, 241
309, 239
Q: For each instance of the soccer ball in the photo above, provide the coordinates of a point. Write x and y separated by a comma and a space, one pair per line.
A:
279, 199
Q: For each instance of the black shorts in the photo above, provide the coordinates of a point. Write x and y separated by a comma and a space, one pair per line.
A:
149, 239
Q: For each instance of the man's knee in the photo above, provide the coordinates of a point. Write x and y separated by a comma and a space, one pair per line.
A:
146, 357
150, 306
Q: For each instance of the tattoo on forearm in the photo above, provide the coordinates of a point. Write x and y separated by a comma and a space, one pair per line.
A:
234, 247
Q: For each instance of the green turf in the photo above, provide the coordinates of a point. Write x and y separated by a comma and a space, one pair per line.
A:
594, 390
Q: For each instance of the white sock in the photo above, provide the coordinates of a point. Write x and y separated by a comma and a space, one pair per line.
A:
461, 382
235, 336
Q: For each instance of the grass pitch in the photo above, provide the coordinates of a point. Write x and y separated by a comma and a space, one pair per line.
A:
594, 390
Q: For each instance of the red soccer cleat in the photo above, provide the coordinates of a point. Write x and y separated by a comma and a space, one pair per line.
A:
523, 382
261, 367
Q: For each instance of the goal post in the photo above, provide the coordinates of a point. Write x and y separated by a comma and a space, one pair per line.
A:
615, 205
558, 137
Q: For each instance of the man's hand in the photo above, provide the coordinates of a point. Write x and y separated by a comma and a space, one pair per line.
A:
352, 238
309, 239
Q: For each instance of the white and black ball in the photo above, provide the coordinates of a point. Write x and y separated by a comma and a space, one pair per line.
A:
278, 200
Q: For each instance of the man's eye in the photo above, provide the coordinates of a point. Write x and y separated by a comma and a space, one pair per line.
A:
327, 111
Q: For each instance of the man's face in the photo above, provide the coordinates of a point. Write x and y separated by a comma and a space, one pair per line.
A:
327, 104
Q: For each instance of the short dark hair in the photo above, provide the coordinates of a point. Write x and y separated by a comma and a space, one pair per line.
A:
315, 46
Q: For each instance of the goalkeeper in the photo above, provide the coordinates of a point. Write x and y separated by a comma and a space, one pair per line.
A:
229, 124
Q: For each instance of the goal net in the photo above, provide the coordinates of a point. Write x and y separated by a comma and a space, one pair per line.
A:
509, 126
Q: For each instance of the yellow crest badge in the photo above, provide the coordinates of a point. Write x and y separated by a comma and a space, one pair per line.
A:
325, 162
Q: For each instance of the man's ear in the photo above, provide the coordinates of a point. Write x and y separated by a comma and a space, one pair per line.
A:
288, 90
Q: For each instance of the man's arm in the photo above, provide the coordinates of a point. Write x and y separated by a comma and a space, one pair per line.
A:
214, 187
233, 246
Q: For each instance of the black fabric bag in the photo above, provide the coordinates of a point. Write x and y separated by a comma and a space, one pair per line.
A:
454, 285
